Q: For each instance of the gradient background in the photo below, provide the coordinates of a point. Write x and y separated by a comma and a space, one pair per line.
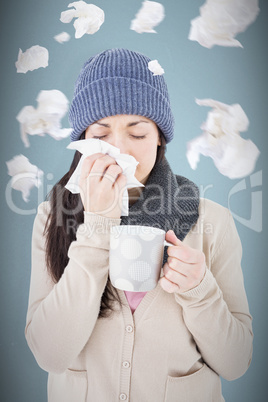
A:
230, 75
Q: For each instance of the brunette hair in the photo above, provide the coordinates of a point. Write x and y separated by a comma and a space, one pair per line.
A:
66, 214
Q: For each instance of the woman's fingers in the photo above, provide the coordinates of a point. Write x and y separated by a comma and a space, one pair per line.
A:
171, 274
96, 165
101, 185
168, 286
185, 253
111, 174
182, 251
87, 165
174, 281
184, 268
101, 164
185, 275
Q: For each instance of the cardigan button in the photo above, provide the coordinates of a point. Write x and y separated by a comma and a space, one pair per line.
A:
129, 328
122, 397
126, 364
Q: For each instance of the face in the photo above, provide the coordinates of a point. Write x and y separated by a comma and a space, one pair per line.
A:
133, 135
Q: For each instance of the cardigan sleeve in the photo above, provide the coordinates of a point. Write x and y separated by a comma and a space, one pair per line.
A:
216, 312
61, 316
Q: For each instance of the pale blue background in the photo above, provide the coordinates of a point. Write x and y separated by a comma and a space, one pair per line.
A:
230, 75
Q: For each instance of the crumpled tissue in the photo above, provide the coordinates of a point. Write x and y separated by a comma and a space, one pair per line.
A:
24, 175
150, 14
127, 162
233, 156
155, 67
89, 18
32, 59
220, 21
62, 37
46, 118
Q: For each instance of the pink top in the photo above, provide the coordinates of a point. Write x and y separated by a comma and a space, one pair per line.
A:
134, 299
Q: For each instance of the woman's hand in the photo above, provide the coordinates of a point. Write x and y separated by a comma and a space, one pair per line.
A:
102, 185
185, 267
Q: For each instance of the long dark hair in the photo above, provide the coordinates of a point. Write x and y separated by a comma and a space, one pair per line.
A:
66, 214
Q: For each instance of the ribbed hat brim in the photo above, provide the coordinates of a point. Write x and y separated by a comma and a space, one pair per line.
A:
119, 95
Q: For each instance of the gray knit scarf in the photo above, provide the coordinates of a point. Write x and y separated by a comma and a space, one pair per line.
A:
168, 201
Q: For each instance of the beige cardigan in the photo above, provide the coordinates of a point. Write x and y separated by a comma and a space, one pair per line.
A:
174, 347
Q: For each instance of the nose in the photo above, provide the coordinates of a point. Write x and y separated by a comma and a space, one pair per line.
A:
118, 141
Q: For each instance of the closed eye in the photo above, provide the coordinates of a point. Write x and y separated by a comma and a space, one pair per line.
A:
99, 138
138, 137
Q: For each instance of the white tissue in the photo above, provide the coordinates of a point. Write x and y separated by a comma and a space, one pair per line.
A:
46, 118
32, 59
127, 162
24, 175
150, 14
89, 18
155, 67
62, 37
220, 21
233, 156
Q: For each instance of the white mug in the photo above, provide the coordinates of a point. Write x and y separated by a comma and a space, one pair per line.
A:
136, 257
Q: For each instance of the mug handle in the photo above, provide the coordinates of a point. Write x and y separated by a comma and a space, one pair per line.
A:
167, 243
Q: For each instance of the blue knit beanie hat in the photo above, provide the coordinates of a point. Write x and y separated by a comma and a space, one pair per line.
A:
118, 81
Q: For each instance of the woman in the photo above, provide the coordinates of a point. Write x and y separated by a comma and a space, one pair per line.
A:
101, 344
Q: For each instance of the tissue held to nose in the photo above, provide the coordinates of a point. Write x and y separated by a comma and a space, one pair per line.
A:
102, 184
132, 142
